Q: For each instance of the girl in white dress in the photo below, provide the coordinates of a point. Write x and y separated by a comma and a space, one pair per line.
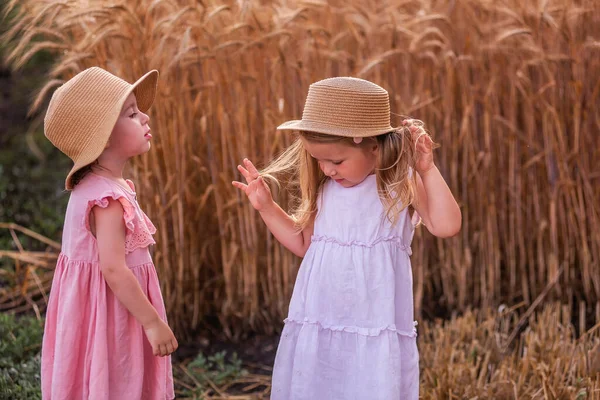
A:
350, 331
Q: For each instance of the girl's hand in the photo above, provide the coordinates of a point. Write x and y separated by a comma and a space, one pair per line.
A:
256, 189
161, 338
424, 147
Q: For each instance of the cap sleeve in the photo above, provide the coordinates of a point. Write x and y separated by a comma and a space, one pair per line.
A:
103, 201
139, 227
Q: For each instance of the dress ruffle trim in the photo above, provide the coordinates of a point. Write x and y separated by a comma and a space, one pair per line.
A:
356, 329
139, 227
396, 240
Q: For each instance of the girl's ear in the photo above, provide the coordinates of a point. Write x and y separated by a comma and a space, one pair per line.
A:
374, 147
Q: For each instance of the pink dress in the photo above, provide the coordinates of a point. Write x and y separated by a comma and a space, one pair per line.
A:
93, 348
350, 332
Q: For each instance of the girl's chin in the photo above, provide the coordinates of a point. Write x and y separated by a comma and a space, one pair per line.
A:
143, 150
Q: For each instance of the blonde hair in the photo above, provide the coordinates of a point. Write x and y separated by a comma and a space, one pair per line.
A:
396, 184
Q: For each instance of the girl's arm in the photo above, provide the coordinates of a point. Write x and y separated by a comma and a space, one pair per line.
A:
435, 203
110, 235
281, 225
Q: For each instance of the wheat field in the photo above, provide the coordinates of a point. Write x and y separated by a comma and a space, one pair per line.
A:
510, 90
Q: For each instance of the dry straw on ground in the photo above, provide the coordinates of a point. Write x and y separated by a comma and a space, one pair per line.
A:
28, 281
509, 88
505, 354
467, 358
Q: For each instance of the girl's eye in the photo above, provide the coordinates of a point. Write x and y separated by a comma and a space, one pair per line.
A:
336, 162
133, 115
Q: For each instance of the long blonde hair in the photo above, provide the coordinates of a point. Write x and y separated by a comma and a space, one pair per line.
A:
396, 184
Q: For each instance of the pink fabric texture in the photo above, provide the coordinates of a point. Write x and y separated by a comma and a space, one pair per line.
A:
93, 348
350, 332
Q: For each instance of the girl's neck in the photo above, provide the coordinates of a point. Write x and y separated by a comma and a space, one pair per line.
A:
110, 168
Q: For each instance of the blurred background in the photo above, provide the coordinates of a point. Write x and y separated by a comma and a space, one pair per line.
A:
511, 90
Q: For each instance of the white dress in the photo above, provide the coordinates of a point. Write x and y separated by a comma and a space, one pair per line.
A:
350, 332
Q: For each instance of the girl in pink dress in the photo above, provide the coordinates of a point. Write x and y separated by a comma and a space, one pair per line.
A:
106, 334
350, 331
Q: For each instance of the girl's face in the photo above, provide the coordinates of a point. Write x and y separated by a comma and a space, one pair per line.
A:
346, 164
131, 134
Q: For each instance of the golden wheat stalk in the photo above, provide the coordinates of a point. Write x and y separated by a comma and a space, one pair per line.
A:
510, 90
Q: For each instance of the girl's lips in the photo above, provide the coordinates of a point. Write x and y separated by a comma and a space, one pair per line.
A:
339, 180
148, 135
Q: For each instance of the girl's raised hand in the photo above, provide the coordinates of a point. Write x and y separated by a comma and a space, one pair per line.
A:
256, 188
424, 147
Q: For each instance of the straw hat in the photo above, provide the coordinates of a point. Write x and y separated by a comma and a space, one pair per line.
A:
82, 113
344, 106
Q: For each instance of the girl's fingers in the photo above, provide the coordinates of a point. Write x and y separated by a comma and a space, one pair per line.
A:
416, 131
239, 185
421, 137
170, 348
424, 143
245, 173
427, 142
251, 168
417, 138
258, 184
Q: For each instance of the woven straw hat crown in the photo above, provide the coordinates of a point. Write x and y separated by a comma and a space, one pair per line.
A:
82, 113
344, 106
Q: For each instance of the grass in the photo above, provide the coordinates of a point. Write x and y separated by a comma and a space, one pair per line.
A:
20, 343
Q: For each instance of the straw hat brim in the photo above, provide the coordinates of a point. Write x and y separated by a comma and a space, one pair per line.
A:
300, 125
145, 92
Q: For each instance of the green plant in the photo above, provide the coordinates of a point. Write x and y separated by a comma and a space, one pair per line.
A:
21, 382
31, 169
20, 342
205, 372
31, 191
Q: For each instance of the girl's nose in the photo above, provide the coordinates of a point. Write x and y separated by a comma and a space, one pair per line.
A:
145, 118
327, 170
